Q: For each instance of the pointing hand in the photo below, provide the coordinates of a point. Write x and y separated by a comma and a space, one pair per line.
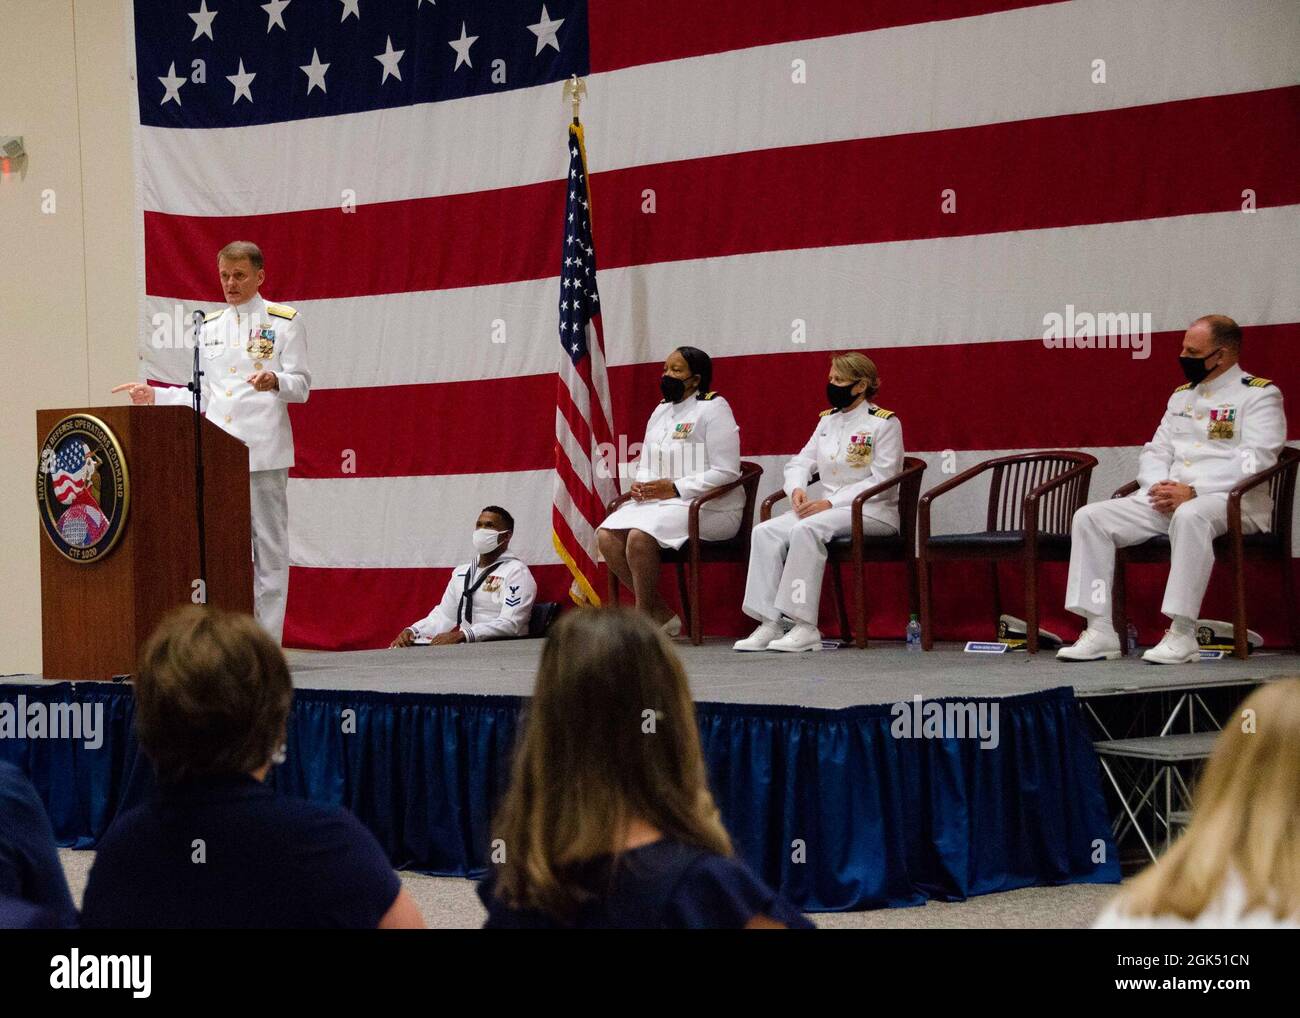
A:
141, 394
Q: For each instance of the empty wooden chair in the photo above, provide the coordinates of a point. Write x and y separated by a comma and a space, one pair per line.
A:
1033, 496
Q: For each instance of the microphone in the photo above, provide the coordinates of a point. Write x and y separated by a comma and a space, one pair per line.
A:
196, 380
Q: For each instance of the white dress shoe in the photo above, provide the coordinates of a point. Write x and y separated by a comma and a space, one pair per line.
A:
1091, 646
1174, 649
802, 637
760, 637
673, 627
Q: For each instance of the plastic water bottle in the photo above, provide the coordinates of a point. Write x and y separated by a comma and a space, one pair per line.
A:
914, 633
1131, 638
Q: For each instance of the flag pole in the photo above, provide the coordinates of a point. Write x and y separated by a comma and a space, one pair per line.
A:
575, 90
581, 589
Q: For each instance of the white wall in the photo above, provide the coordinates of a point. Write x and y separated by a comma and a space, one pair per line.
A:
68, 286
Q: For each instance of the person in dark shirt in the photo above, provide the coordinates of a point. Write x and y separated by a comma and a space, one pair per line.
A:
608, 821
16, 914
33, 889
215, 847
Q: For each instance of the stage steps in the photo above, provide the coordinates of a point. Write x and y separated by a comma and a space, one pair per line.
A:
1138, 768
1150, 764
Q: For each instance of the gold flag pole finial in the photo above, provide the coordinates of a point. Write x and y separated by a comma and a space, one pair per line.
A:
575, 90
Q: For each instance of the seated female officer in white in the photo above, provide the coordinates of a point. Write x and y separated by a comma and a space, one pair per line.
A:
856, 446
692, 445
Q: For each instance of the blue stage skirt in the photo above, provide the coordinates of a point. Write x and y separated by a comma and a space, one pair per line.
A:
839, 809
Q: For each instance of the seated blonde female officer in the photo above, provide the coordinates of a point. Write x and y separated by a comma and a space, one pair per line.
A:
692, 445
856, 446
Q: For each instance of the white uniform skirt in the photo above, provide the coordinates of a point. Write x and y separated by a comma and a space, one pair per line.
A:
666, 521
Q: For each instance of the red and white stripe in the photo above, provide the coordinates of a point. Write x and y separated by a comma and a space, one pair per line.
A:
67, 486
776, 203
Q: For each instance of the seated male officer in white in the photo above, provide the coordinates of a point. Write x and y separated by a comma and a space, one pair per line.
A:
1218, 429
490, 598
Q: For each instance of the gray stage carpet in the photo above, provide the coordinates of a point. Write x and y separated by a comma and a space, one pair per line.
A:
883, 673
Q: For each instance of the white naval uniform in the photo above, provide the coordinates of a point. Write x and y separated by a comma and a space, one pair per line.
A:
696, 445
237, 343
1212, 437
852, 452
502, 604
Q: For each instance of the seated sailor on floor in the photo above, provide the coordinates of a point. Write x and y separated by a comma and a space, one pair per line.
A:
489, 598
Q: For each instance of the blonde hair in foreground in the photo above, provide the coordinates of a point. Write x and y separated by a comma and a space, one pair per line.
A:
1246, 814
590, 759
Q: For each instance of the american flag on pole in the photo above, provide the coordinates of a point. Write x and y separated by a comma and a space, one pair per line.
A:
584, 421
924, 180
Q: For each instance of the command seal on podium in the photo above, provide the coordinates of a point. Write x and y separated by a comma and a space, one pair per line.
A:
82, 488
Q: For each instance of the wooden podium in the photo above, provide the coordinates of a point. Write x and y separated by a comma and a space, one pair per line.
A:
96, 615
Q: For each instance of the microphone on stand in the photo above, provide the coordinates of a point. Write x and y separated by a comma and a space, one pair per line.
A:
196, 389
197, 379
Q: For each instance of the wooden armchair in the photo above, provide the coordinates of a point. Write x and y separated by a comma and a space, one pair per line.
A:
1032, 498
858, 549
696, 550
1236, 546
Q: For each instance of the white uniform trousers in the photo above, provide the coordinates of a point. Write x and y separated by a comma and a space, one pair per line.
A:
787, 560
270, 506
1101, 527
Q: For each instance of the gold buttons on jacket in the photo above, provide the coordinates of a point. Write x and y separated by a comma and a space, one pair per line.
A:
227, 418
231, 393
257, 365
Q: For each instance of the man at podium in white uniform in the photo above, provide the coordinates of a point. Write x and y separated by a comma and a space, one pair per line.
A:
254, 357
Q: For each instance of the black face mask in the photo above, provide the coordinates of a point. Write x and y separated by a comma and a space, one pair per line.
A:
840, 396
673, 389
1194, 369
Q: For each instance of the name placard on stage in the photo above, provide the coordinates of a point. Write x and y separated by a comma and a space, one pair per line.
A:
978, 647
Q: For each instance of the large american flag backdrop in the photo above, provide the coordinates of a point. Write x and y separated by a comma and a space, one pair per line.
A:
773, 181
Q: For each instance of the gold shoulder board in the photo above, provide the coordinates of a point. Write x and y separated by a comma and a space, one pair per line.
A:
1258, 383
707, 395
882, 412
827, 412
1183, 388
212, 315
281, 311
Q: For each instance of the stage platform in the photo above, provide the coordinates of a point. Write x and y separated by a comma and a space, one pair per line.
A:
824, 794
832, 679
